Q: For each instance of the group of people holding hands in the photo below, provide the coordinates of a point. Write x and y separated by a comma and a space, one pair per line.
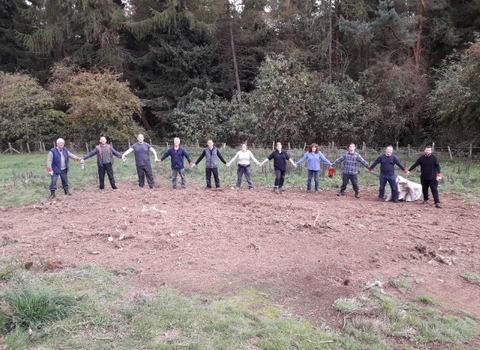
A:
58, 164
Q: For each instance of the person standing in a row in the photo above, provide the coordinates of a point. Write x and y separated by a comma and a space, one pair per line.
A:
430, 174
314, 158
58, 165
387, 163
141, 151
105, 153
350, 161
212, 155
244, 156
280, 159
176, 154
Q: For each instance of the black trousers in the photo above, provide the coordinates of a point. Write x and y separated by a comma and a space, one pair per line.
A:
279, 178
145, 171
349, 177
108, 169
208, 177
433, 184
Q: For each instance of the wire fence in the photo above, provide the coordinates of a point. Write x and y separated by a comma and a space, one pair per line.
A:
458, 153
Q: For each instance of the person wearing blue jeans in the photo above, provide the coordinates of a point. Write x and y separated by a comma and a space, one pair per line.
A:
280, 166
313, 157
58, 166
387, 163
244, 157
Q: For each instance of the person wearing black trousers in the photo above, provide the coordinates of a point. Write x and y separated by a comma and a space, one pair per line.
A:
430, 174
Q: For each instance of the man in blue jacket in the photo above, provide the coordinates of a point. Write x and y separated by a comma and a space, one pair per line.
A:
105, 153
176, 154
58, 165
387, 163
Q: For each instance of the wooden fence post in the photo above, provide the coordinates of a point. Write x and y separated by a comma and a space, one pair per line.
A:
408, 150
470, 152
450, 153
397, 147
433, 146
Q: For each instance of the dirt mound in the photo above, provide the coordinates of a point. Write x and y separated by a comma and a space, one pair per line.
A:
305, 250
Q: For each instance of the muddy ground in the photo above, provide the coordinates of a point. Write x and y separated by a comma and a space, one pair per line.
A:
303, 250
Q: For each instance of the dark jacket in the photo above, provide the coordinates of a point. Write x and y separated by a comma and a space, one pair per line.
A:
57, 159
279, 160
98, 151
387, 164
212, 156
429, 167
177, 157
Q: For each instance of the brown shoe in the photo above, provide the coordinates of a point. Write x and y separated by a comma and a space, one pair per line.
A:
438, 206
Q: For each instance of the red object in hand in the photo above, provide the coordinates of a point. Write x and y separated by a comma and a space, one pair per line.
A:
331, 172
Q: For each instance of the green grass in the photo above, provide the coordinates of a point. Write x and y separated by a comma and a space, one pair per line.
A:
24, 180
94, 308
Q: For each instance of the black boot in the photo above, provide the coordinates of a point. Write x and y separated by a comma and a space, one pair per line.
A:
67, 192
52, 194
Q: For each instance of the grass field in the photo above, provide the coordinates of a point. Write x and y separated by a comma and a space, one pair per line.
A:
88, 307
24, 179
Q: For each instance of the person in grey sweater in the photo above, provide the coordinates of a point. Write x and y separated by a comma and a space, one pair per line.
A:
211, 155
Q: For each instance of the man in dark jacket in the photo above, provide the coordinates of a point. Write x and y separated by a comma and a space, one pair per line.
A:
212, 155
176, 154
58, 165
430, 174
387, 163
105, 153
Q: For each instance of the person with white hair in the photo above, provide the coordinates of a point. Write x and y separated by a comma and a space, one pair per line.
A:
104, 153
58, 165
142, 150
176, 154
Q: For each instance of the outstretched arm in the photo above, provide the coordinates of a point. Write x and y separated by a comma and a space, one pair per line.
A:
127, 152
154, 153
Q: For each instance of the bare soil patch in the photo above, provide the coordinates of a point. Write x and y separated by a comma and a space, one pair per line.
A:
304, 250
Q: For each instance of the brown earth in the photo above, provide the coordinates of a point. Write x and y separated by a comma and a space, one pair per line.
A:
303, 250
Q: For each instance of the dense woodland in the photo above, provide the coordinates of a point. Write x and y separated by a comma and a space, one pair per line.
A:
370, 71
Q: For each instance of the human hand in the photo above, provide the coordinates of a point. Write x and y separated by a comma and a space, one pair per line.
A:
439, 176
82, 160
406, 171
228, 164
158, 160
191, 164
370, 170
50, 171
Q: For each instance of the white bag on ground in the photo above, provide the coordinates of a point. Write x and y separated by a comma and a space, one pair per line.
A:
408, 191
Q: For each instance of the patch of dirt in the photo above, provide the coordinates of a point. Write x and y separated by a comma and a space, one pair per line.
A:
303, 250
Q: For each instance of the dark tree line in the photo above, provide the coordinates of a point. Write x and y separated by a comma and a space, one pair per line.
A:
255, 70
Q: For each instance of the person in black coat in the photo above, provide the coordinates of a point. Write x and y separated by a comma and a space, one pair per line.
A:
430, 174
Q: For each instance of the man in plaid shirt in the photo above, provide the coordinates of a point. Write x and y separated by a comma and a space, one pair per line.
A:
350, 169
